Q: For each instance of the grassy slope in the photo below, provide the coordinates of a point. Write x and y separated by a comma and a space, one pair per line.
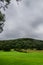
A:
17, 58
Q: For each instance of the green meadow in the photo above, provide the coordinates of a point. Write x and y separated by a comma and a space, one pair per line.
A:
19, 58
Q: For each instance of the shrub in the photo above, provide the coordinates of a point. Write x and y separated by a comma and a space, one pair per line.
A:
6, 48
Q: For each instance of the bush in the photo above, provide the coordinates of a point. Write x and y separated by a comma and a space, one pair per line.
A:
0, 47
6, 48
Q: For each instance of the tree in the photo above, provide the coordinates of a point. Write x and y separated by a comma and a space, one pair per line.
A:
3, 5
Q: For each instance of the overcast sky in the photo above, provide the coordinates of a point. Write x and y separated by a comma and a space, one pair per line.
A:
24, 20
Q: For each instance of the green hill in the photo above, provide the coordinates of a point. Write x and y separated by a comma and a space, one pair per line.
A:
22, 43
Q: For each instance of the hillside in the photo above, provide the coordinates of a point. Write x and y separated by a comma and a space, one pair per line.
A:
22, 43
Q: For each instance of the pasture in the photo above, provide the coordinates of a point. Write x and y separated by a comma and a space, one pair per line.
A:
19, 58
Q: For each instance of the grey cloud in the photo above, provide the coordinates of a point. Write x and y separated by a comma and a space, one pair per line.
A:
37, 22
24, 20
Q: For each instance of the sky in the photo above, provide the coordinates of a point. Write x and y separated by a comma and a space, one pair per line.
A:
23, 20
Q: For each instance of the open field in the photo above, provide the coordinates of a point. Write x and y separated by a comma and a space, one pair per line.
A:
19, 58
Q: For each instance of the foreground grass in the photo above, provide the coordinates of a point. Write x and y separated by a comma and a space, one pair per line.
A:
17, 58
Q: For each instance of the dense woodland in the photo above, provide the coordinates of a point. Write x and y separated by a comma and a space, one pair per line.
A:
23, 43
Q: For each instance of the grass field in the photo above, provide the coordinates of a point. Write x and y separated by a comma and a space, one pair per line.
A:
18, 58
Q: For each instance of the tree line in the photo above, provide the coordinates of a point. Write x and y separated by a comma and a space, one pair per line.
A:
23, 43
